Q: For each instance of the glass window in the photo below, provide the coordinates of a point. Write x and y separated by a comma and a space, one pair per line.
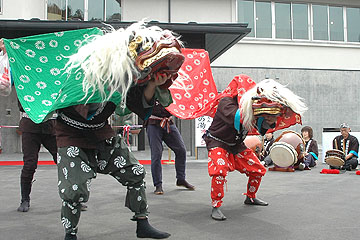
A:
96, 10
282, 20
246, 15
300, 21
56, 10
353, 20
320, 17
336, 24
263, 19
113, 10
75, 10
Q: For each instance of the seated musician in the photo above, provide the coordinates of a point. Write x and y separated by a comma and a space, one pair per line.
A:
348, 144
311, 148
265, 153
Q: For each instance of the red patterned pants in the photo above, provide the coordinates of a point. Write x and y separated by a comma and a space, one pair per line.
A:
220, 162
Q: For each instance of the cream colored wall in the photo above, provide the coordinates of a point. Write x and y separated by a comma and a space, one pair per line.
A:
201, 11
276, 55
23, 9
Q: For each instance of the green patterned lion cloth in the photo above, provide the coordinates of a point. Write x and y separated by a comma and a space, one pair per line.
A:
37, 69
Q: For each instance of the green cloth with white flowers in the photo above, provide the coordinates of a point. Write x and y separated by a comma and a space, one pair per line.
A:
37, 68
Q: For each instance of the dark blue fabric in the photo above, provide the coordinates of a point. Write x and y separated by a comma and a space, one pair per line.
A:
174, 141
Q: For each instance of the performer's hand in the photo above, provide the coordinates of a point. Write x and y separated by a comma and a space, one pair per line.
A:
160, 78
2, 46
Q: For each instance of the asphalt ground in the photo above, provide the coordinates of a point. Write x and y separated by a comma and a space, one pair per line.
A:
302, 205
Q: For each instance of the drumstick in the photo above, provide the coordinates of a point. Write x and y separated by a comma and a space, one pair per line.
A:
336, 145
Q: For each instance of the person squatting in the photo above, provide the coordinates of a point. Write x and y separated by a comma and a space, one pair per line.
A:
242, 109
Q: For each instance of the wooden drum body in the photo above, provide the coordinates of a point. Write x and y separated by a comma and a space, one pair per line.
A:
335, 158
287, 149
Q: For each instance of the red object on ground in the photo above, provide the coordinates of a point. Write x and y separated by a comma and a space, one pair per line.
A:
330, 171
357, 172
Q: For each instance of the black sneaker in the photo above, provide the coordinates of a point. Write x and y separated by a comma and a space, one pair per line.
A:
145, 230
24, 206
184, 183
159, 190
255, 201
69, 236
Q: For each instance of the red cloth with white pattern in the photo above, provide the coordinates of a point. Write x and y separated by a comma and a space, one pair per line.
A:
220, 162
194, 91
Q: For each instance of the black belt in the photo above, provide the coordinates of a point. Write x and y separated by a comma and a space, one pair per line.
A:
208, 134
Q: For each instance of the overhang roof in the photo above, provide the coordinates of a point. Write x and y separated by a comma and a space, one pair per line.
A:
215, 38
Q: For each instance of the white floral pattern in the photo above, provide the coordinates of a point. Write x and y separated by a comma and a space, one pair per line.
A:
88, 184
65, 172
72, 151
66, 222
252, 189
221, 161
102, 164
58, 158
251, 162
119, 161
138, 169
85, 167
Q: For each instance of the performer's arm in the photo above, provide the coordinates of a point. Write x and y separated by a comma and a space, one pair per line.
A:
152, 84
353, 148
313, 150
140, 99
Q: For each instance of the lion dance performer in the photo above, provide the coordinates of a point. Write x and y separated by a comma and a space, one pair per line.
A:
127, 68
244, 108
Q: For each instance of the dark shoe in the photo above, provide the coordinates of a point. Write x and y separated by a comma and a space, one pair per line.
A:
255, 201
24, 206
83, 207
216, 214
145, 230
184, 183
70, 236
347, 168
159, 190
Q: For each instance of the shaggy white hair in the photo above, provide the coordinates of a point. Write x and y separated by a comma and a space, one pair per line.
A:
106, 62
273, 91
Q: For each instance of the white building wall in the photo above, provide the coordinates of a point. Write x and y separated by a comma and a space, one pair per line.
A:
23, 9
152, 10
269, 54
201, 11
249, 52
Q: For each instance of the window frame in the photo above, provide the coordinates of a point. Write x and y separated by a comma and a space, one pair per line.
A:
310, 23
86, 10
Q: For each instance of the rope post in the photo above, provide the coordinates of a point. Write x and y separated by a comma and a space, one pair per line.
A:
169, 158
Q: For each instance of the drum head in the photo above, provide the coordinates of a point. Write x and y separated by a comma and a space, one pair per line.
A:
334, 161
283, 154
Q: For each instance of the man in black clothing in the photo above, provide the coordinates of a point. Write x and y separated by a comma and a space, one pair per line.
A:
349, 145
32, 136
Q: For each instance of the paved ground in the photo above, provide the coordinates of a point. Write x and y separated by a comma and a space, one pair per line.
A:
303, 205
